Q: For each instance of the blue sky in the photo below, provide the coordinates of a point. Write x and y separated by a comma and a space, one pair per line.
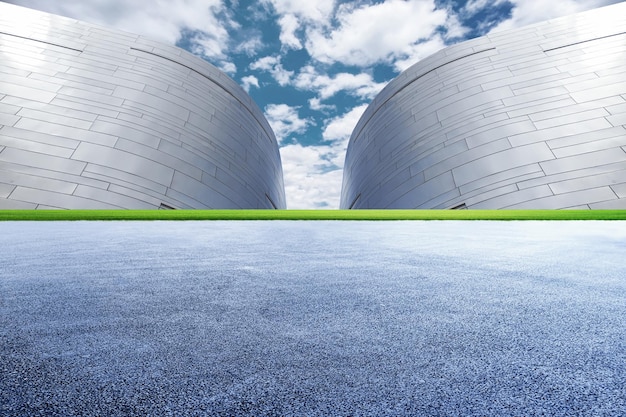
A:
312, 65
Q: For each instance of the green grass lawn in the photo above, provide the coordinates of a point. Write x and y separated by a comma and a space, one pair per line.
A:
48, 215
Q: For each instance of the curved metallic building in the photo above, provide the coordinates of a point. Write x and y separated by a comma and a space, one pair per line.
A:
97, 118
526, 118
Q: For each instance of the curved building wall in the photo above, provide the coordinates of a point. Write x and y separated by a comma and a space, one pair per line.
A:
97, 118
526, 118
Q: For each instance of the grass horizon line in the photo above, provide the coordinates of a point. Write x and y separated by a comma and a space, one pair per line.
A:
307, 214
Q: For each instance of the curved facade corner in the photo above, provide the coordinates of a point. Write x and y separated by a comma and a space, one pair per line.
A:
525, 118
97, 118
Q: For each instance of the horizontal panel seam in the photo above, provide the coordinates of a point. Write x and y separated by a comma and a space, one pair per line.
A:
42, 41
587, 40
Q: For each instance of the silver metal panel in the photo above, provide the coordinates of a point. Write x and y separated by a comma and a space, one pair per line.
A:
84, 81
592, 181
535, 84
501, 161
126, 132
145, 195
150, 100
571, 118
104, 80
475, 125
570, 108
32, 181
468, 198
52, 107
6, 108
619, 189
85, 106
455, 160
16, 205
28, 82
30, 195
192, 158
436, 162
125, 161
46, 173
108, 122
200, 192
555, 81
39, 137
115, 176
595, 195
499, 131
141, 76
486, 195
617, 119
40, 160
508, 176
8, 119
91, 96
595, 82
34, 146
609, 205
547, 103
151, 125
617, 108
54, 118
590, 147
561, 131
508, 200
5, 189
596, 135
26, 92
557, 115
590, 159
599, 92
111, 198
429, 189
578, 173
441, 201
65, 131
56, 79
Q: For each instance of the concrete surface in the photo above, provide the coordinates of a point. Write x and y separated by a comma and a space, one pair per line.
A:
312, 318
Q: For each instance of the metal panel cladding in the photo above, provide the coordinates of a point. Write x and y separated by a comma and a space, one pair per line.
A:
96, 118
525, 118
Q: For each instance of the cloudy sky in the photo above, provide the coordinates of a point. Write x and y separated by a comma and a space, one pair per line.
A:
312, 65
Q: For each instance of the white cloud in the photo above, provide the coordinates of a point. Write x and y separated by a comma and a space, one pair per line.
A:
285, 121
250, 46
161, 20
316, 104
273, 65
454, 28
296, 14
249, 81
313, 174
227, 67
419, 51
474, 6
288, 26
359, 85
375, 33
311, 10
340, 128
526, 12
312, 180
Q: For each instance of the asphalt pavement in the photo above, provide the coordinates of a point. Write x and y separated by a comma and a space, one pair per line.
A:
312, 318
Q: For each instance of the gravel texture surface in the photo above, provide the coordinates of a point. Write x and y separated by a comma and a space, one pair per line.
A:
312, 318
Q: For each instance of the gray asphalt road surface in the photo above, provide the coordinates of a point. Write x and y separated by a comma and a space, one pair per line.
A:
312, 318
